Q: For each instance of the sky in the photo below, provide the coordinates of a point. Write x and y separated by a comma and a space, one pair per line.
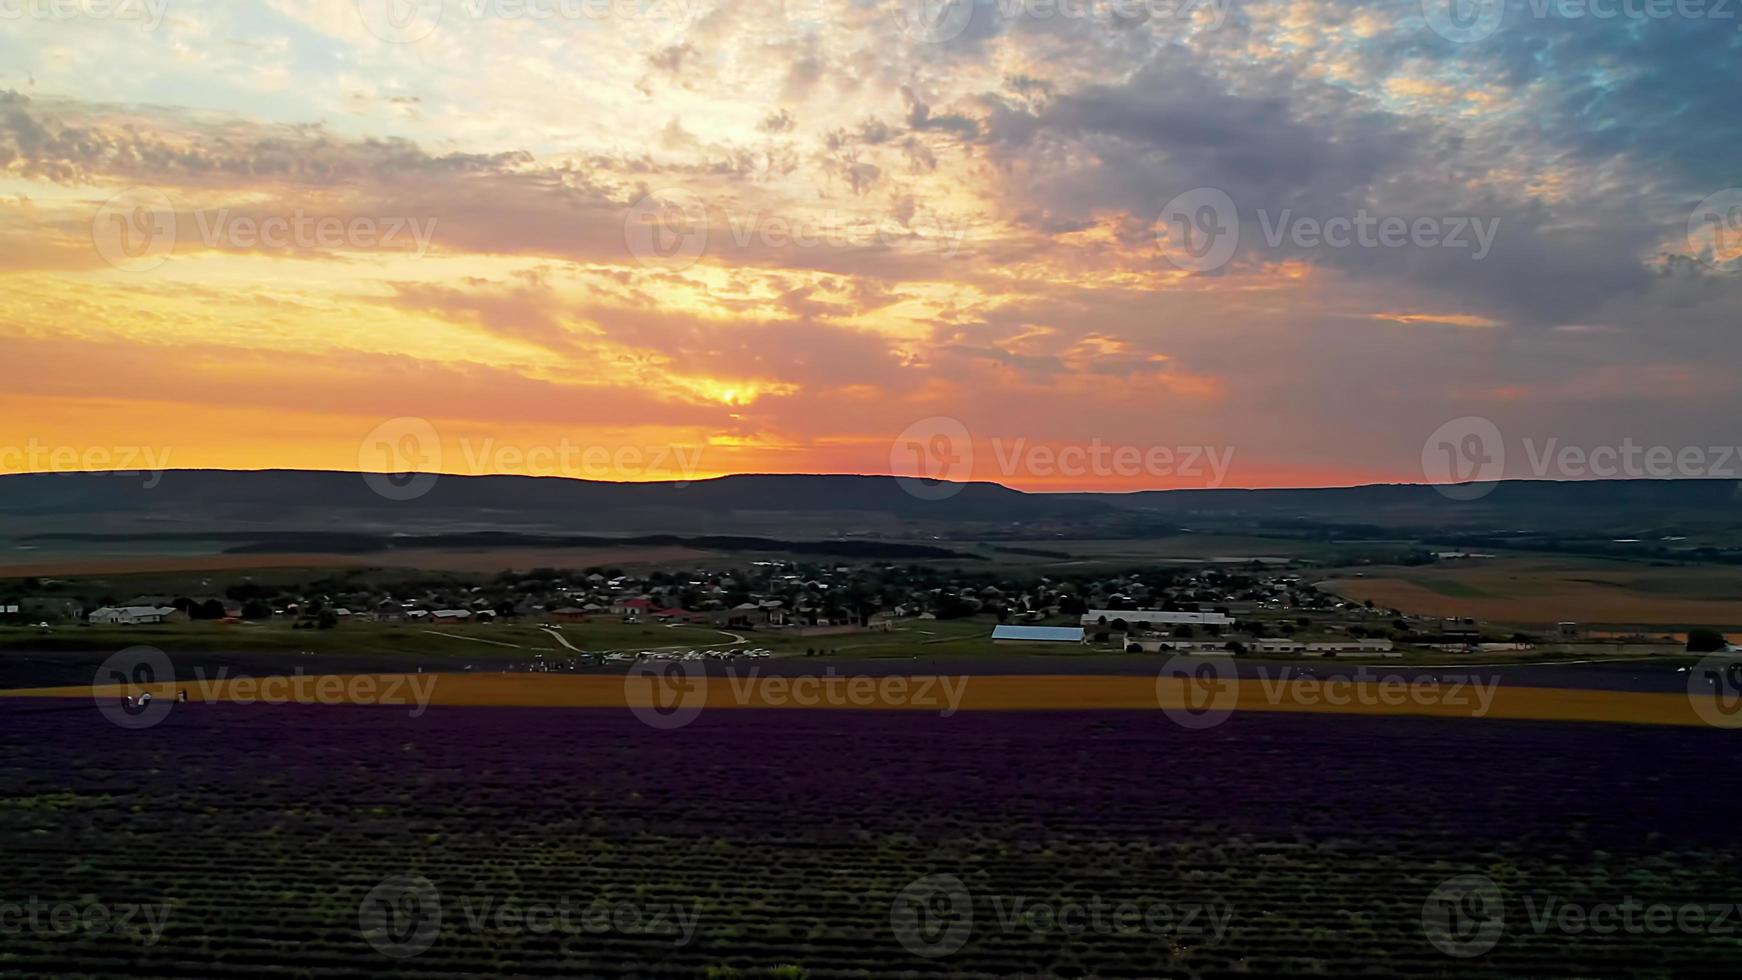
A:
1110, 245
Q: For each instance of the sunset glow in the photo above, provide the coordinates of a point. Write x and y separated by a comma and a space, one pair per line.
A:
777, 237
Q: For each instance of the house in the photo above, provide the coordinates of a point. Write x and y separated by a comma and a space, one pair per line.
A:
134, 615
776, 611
1157, 617
1037, 634
569, 614
745, 614
1201, 647
230, 607
451, 615
1459, 631
631, 608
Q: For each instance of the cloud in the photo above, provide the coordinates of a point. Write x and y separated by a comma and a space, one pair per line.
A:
895, 228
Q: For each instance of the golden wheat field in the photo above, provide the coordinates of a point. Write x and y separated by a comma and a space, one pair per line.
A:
1389, 695
1542, 592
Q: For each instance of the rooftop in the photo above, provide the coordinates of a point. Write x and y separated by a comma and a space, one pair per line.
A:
1051, 634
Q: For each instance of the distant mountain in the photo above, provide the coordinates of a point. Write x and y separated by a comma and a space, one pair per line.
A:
794, 507
322, 500
1589, 505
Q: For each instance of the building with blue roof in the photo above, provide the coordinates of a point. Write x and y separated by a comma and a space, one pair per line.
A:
1037, 634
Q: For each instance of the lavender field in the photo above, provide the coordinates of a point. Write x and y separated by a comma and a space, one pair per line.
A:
353, 841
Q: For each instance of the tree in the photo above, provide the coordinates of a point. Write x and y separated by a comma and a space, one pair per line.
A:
256, 609
1183, 631
327, 619
243, 591
951, 606
1235, 647
1706, 641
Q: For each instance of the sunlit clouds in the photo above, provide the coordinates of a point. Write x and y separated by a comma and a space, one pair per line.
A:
778, 235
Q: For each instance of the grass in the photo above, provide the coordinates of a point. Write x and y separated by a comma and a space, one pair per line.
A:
72, 655
459, 639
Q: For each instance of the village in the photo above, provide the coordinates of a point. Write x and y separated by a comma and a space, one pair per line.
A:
1257, 610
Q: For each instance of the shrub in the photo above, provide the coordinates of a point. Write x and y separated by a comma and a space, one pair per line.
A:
1706, 641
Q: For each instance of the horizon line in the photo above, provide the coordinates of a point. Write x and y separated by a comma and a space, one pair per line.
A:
875, 476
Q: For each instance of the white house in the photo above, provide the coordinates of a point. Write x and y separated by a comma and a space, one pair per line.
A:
131, 615
1199, 647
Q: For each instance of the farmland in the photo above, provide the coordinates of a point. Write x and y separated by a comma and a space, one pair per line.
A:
1539, 592
30, 657
743, 846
